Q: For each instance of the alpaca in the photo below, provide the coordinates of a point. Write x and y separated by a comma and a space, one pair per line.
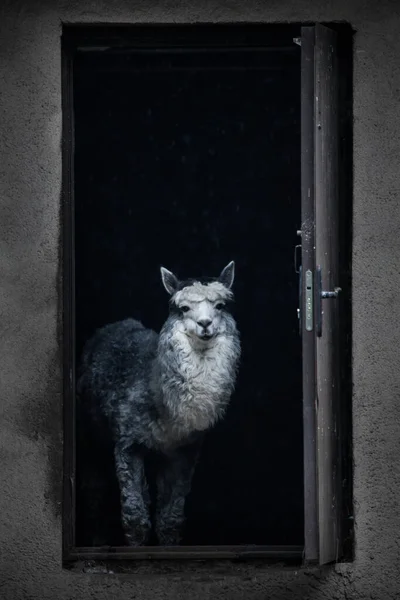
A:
159, 394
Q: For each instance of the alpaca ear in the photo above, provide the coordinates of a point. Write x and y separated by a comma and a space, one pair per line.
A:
169, 280
228, 275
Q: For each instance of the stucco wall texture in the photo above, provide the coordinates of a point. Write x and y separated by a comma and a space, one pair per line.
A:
30, 341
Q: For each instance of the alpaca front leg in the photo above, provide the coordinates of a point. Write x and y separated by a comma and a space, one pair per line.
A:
134, 494
173, 486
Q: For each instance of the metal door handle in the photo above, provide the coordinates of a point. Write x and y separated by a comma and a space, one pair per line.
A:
333, 294
322, 295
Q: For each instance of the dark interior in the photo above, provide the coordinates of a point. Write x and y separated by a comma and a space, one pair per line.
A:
190, 158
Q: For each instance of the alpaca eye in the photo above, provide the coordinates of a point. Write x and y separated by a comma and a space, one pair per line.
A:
219, 306
185, 308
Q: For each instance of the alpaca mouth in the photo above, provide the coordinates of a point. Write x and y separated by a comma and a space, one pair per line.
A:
206, 336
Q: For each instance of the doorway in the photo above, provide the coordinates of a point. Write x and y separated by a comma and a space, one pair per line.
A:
187, 155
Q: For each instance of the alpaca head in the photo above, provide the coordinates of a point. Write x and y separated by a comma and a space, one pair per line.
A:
201, 304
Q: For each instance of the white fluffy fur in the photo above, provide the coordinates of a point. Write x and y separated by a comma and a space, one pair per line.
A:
200, 292
196, 394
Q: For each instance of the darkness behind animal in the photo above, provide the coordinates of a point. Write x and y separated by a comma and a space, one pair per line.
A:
189, 169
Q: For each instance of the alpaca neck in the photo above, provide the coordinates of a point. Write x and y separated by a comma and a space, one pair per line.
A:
193, 381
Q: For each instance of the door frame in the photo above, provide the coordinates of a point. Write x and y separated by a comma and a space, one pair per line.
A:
76, 37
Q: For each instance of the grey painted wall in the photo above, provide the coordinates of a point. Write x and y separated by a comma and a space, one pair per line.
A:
30, 425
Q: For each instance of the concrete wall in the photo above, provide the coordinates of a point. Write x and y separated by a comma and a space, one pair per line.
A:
30, 380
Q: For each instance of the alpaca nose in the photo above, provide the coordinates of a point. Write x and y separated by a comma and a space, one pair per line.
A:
204, 322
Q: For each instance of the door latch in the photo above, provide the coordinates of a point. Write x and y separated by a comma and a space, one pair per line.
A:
309, 292
313, 302
309, 300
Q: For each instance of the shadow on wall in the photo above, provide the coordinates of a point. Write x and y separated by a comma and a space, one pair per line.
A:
41, 419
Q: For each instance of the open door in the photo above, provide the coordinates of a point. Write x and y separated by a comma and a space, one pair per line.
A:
319, 293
